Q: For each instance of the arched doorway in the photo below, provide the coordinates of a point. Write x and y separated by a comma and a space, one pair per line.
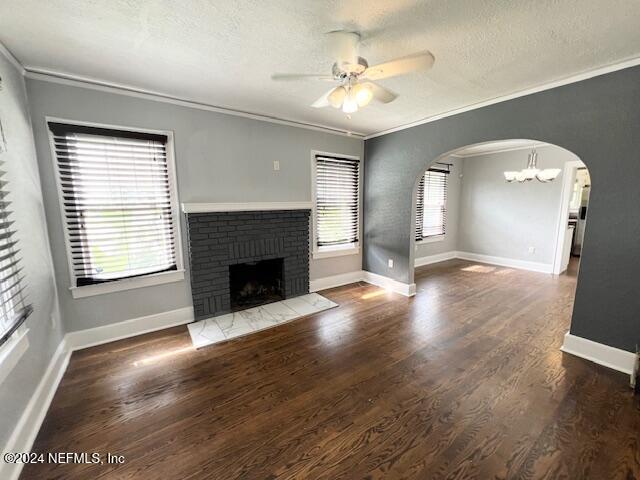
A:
469, 205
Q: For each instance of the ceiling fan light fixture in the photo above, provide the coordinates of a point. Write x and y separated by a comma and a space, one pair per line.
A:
350, 104
363, 94
337, 97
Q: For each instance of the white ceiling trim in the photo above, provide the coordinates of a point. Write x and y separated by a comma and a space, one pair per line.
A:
632, 62
100, 85
501, 150
11, 57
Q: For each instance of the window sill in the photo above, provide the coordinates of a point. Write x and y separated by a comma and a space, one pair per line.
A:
12, 351
433, 239
127, 284
342, 250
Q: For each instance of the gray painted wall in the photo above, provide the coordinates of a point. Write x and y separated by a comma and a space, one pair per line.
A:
598, 120
24, 184
454, 190
219, 158
504, 219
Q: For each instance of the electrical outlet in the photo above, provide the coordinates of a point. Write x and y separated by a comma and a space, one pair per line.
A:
276, 165
390, 263
532, 250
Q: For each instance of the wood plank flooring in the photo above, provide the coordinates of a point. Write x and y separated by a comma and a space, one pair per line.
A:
465, 380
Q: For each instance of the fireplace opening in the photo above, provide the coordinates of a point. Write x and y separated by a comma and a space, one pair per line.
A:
256, 283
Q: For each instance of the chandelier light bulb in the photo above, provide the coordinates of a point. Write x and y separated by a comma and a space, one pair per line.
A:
530, 173
510, 176
548, 174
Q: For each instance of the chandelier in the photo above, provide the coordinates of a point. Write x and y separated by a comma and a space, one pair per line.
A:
532, 171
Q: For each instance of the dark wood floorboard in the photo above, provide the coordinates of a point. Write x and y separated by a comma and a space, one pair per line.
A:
465, 380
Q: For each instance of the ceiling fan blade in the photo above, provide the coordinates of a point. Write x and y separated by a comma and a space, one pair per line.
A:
288, 77
380, 93
400, 66
344, 46
323, 101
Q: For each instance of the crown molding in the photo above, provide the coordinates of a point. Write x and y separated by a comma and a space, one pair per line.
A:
12, 58
631, 62
122, 89
501, 150
95, 84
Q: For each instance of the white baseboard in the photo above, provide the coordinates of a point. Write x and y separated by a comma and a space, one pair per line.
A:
506, 262
335, 281
437, 258
406, 289
128, 328
490, 259
599, 353
25, 432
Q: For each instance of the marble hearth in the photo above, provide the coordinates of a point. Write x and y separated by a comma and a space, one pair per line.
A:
238, 324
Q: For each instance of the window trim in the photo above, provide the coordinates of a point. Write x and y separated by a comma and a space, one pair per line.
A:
333, 250
439, 237
12, 351
432, 239
132, 282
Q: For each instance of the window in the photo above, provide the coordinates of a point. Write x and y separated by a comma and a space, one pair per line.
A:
337, 202
14, 308
431, 209
118, 203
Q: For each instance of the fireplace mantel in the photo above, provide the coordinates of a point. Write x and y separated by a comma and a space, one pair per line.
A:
244, 207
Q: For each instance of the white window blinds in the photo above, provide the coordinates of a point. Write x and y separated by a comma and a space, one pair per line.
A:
431, 208
337, 200
15, 310
116, 196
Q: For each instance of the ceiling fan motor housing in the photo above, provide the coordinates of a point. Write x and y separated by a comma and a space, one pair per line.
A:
344, 70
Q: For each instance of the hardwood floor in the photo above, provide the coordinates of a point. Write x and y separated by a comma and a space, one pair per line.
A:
465, 380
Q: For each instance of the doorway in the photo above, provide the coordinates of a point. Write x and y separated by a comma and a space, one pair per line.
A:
574, 207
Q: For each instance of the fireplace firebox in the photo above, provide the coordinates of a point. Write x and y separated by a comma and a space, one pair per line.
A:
256, 283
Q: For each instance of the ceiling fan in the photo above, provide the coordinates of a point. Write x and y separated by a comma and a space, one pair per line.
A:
355, 78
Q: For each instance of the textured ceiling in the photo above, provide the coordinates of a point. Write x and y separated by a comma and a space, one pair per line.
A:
223, 52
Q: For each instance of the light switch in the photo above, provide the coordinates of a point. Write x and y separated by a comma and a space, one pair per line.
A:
276, 165
391, 263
